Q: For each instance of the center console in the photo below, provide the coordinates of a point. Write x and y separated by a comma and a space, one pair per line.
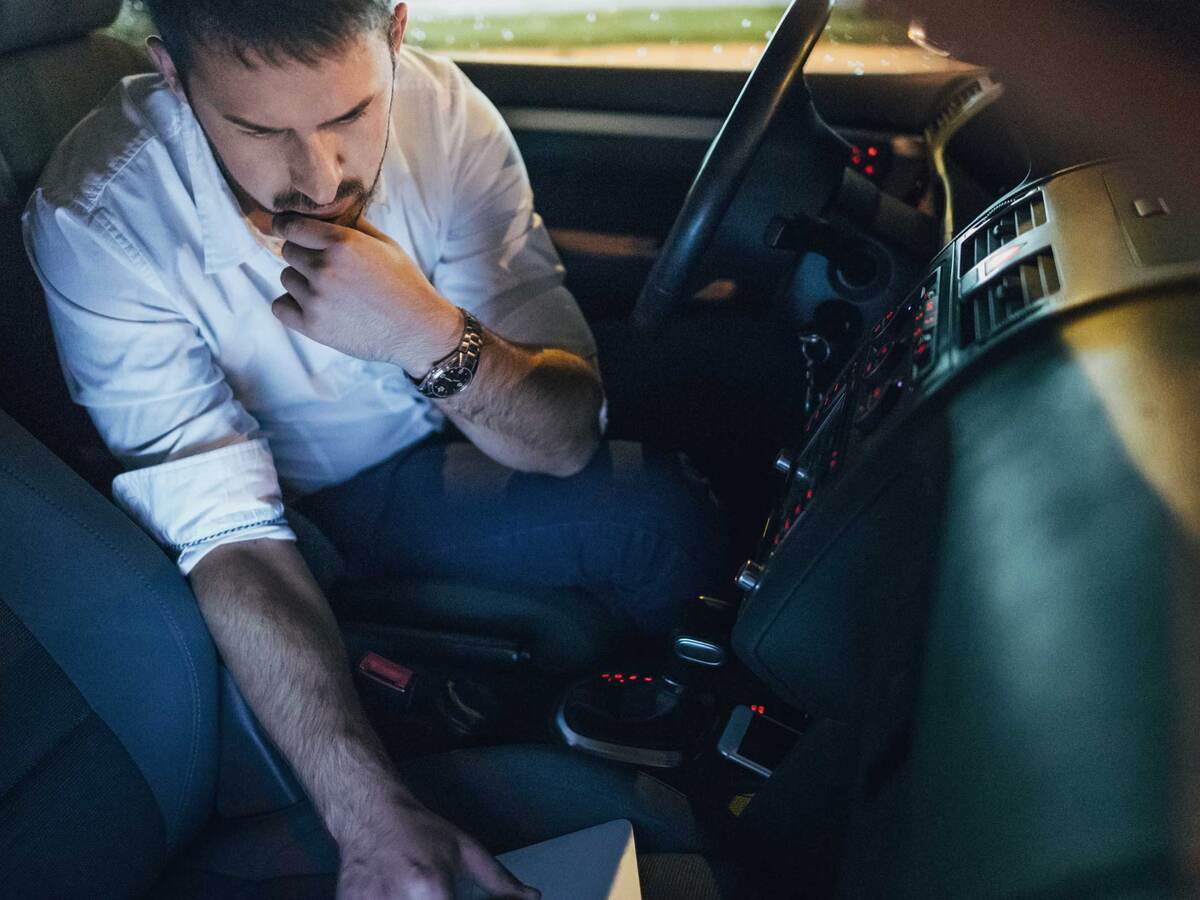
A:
859, 509
833, 596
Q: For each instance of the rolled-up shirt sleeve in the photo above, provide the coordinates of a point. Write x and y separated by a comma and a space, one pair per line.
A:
497, 258
199, 473
229, 494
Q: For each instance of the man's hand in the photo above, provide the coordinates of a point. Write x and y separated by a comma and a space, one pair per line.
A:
356, 290
412, 853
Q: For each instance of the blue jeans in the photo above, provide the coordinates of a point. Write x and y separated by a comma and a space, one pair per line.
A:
636, 527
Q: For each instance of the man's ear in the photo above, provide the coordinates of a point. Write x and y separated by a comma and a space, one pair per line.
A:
399, 23
165, 65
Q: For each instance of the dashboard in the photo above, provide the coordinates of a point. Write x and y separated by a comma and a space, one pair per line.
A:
869, 479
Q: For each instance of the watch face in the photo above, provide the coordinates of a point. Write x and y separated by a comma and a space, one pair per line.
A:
451, 380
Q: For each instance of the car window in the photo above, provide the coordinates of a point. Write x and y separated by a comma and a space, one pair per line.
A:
863, 36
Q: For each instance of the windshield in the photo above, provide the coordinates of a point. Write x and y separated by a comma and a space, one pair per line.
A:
864, 37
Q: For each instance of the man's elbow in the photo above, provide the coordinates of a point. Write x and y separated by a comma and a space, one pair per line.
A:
574, 459
580, 429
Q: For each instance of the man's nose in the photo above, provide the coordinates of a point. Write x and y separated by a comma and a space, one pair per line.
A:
317, 168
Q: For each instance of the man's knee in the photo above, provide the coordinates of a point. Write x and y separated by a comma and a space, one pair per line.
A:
661, 490
668, 534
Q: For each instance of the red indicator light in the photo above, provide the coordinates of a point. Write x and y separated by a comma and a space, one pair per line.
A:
833, 453
832, 464
854, 149
922, 350
917, 332
872, 151
887, 316
929, 306
796, 509
875, 393
808, 495
647, 678
870, 170
776, 541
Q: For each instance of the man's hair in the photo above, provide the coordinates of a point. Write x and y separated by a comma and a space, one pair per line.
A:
277, 31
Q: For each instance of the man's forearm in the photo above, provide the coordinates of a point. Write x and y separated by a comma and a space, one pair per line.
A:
357, 291
278, 637
533, 409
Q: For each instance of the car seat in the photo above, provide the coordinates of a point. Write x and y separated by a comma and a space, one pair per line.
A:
126, 754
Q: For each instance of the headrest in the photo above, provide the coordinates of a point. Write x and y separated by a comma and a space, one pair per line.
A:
31, 23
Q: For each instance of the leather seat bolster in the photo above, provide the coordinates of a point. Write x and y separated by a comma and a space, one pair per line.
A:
94, 589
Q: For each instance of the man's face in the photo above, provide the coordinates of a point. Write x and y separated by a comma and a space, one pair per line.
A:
293, 137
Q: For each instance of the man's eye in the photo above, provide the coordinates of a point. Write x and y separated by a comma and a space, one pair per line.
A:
258, 134
353, 117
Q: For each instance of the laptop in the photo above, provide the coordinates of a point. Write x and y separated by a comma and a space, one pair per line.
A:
597, 863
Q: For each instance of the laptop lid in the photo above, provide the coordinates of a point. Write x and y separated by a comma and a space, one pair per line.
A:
597, 863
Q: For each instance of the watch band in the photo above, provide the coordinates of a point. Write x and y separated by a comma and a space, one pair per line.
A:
453, 372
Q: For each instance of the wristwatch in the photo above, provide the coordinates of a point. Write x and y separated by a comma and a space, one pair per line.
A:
453, 372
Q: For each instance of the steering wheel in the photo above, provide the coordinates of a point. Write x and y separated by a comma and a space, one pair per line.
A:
776, 79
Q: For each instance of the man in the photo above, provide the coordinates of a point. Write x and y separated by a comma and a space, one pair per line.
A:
273, 270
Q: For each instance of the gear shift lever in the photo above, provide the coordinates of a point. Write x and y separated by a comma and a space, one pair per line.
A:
647, 720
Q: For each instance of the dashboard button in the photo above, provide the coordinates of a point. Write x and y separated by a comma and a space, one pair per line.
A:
785, 464
923, 354
875, 403
880, 359
749, 576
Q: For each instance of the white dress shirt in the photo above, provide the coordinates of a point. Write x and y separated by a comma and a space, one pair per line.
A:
159, 293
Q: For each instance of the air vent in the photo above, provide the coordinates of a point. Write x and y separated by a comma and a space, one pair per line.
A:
1003, 227
956, 103
1014, 292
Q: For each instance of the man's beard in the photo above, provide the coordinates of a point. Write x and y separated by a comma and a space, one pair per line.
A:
294, 201
297, 202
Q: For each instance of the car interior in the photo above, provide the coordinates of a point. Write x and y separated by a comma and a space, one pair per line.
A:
942, 380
